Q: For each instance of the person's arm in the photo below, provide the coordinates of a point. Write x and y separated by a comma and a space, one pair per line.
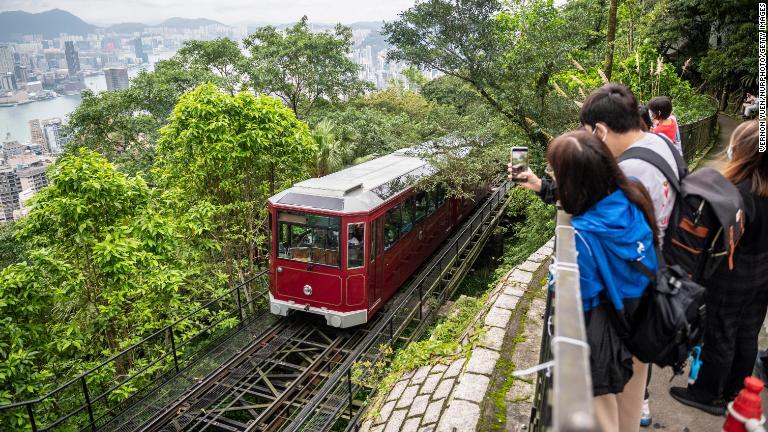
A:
548, 191
545, 188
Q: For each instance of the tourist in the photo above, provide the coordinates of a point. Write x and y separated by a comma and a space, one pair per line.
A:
646, 123
660, 109
751, 105
737, 300
614, 225
611, 112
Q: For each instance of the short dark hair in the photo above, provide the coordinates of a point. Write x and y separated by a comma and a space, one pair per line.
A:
645, 117
661, 105
612, 104
575, 153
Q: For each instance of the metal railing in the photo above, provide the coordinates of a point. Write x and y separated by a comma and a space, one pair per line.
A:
563, 400
88, 402
405, 320
696, 137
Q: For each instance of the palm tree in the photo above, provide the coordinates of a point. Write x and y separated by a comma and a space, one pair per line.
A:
332, 153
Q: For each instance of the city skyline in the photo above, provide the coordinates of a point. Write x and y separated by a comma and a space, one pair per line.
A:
100, 12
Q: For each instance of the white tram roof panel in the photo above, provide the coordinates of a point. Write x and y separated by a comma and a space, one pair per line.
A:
359, 188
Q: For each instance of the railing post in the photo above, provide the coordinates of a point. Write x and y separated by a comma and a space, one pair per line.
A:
31, 414
88, 402
239, 305
173, 348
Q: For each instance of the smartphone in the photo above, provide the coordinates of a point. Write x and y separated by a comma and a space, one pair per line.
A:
518, 158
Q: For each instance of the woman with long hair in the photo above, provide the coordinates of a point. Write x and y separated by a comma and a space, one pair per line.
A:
614, 224
737, 300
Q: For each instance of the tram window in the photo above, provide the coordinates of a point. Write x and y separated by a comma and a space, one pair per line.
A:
421, 206
392, 223
308, 237
355, 245
407, 213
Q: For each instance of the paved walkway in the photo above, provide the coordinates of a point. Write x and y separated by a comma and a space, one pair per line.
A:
716, 157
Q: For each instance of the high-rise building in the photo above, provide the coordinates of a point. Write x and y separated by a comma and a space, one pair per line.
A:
73, 58
54, 138
10, 186
7, 81
7, 65
139, 49
117, 78
37, 134
22, 73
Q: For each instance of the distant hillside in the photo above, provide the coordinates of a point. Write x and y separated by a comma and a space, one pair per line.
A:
177, 22
129, 27
50, 24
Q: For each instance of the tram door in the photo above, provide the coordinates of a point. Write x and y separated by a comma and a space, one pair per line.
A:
376, 262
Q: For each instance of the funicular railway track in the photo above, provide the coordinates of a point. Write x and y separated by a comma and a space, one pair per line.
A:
259, 388
297, 375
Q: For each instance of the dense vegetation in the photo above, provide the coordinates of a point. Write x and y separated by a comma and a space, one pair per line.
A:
158, 203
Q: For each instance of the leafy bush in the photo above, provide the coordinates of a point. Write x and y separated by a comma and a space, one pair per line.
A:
646, 73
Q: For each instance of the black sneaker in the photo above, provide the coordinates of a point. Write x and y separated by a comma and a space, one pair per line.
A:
682, 395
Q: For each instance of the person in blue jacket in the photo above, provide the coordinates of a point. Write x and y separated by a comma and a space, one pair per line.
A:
614, 224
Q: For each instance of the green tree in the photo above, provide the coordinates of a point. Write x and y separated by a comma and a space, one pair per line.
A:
610, 38
332, 153
229, 154
219, 59
507, 54
105, 266
114, 125
122, 125
301, 67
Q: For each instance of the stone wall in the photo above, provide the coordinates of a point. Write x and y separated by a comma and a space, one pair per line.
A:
454, 397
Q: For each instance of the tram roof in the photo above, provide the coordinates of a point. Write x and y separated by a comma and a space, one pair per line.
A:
359, 188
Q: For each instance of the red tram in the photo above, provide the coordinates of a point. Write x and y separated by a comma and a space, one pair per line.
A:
344, 243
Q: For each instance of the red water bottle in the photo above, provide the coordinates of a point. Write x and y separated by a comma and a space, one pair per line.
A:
745, 413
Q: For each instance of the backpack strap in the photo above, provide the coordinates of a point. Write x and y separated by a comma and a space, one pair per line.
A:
644, 269
653, 158
682, 166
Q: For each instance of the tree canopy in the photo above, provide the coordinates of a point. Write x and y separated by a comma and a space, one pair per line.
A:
301, 67
228, 154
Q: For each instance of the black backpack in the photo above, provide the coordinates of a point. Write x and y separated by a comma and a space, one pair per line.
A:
669, 320
707, 219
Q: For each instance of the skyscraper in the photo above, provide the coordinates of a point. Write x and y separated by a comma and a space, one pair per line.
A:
54, 138
73, 58
7, 65
37, 135
10, 186
7, 81
117, 78
139, 49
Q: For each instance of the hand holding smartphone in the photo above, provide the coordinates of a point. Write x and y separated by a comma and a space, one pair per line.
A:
518, 164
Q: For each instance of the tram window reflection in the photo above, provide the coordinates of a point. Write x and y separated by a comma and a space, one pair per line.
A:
308, 237
355, 245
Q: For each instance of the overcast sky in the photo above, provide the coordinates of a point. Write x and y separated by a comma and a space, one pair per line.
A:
102, 12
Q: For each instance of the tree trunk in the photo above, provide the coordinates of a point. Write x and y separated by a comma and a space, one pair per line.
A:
724, 98
611, 38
